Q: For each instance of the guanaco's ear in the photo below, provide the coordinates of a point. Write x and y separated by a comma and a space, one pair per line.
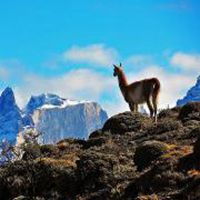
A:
114, 65
120, 64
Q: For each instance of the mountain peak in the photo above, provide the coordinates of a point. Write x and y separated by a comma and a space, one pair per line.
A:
48, 100
10, 115
193, 94
8, 92
42, 99
7, 100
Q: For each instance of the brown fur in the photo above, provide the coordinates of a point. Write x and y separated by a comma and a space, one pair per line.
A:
139, 92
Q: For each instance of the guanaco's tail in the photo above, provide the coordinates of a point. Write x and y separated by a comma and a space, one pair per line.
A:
156, 89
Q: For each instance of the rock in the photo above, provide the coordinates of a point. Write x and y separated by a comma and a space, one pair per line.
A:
125, 122
148, 152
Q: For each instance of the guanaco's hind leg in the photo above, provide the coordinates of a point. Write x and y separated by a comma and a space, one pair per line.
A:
136, 107
154, 101
150, 107
133, 107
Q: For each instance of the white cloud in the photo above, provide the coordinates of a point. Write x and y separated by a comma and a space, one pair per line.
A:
173, 86
95, 54
189, 62
138, 60
78, 84
118, 105
4, 73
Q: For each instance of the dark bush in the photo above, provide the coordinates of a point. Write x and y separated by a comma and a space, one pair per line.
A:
190, 111
164, 126
94, 171
96, 133
148, 152
35, 179
31, 151
94, 142
48, 150
169, 113
99, 133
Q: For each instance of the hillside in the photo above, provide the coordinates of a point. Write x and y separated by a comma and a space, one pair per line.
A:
130, 158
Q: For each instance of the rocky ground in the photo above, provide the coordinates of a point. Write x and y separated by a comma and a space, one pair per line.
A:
130, 158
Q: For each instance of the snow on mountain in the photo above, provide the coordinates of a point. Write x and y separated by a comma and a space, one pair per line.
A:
54, 117
193, 94
41, 100
57, 118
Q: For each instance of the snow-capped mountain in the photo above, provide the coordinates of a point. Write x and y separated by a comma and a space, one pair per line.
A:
57, 118
193, 94
54, 117
42, 100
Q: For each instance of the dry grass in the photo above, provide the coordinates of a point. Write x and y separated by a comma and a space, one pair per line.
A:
62, 145
193, 173
178, 151
68, 160
148, 197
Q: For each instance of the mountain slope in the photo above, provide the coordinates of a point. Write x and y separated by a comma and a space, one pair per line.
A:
193, 94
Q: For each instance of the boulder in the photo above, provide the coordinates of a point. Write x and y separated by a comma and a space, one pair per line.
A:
126, 122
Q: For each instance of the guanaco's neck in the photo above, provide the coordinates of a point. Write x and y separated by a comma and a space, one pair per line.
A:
122, 81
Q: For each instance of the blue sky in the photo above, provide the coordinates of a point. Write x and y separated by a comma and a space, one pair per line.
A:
68, 47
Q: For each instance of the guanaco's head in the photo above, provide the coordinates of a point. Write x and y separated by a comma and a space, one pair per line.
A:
117, 69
